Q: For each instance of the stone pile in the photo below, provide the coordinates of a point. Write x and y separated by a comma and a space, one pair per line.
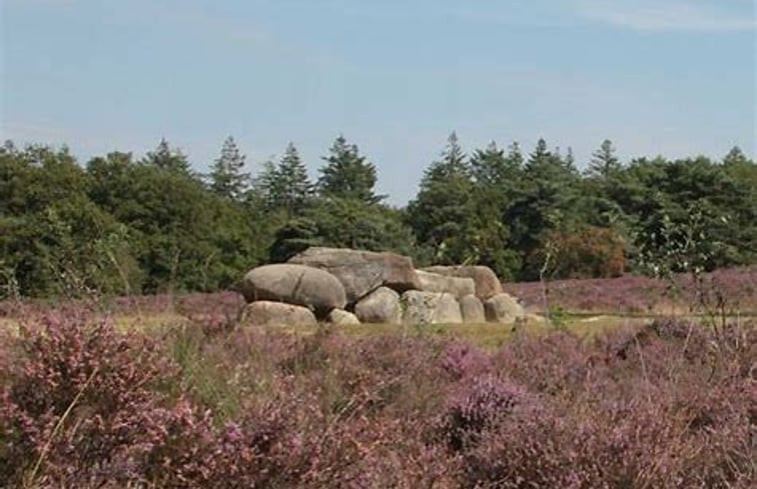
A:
344, 286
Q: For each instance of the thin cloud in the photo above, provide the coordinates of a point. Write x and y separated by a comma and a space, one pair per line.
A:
669, 16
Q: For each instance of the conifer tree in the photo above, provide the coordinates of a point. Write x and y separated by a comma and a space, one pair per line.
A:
736, 157
440, 213
287, 186
547, 200
165, 158
488, 166
604, 163
347, 174
227, 178
492, 167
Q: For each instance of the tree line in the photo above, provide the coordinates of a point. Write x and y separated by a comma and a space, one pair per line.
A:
121, 225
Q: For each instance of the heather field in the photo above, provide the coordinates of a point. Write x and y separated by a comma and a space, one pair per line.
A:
445, 216
179, 392
733, 291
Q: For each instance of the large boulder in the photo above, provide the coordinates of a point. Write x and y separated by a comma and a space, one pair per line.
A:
430, 308
361, 272
457, 286
340, 317
294, 284
380, 306
503, 308
487, 283
472, 309
267, 313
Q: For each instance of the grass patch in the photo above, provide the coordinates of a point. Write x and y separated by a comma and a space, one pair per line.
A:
486, 335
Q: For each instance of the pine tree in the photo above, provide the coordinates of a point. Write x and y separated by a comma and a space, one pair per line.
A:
604, 163
488, 166
491, 166
440, 213
290, 188
547, 200
167, 159
453, 163
497, 180
570, 160
226, 177
742, 169
263, 186
543, 164
541, 155
515, 155
347, 174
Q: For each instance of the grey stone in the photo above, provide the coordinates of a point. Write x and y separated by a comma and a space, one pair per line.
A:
472, 309
487, 283
294, 284
503, 308
457, 286
430, 308
361, 272
267, 313
380, 306
341, 317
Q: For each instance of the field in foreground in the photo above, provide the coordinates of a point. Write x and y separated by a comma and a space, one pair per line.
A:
195, 399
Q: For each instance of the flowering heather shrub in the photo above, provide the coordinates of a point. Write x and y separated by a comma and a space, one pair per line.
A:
461, 359
642, 295
625, 425
558, 363
11, 309
612, 447
80, 403
388, 376
669, 405
478, 404
223, 304
408, 464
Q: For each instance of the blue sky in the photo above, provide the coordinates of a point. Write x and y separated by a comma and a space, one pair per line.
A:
671, 77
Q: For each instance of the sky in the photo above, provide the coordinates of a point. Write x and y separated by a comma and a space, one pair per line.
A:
395, 77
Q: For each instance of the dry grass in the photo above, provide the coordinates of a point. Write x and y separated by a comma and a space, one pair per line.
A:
485, 335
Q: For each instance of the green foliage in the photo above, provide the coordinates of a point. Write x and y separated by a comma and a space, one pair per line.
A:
226, 177
167, 159
604, 164
547, 200
286, 186
684, 244
293, 237
440, 213
343, 223
740, 205
188, 238
584, 252
497, 180
492, 168
347, 174
127, 226
663, 194
54, 239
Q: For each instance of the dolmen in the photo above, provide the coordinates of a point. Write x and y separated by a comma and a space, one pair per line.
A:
346, 287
